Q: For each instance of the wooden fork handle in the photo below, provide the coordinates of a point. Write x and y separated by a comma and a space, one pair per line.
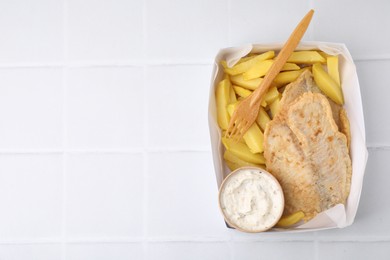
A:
282, 57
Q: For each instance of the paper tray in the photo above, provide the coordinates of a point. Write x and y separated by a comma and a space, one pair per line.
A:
339, 216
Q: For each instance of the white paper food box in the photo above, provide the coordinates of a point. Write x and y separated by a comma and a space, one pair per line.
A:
339, 216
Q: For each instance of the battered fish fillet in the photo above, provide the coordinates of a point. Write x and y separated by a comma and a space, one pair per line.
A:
308, 155
305, 83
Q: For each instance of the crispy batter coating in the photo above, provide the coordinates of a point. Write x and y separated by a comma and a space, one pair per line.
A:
306, 152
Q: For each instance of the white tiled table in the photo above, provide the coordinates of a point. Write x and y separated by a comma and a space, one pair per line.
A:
92, 165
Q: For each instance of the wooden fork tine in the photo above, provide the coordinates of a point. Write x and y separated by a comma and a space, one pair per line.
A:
231, 131
242, 129
232, 127
237, 131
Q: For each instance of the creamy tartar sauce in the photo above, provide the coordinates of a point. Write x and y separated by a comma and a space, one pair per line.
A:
251, 200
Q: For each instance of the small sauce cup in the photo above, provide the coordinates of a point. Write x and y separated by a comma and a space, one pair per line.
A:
251, 200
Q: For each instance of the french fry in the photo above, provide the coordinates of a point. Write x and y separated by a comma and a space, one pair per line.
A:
261, 68
290, 66
327, 84
257, 70
232, 107
243, 59
231, 165
222, 99
306, 57
242, 151
248, 84
271, 95
254, 138
263, 118
275, 107
242, 92
229, 156
283, 78
324, 54
332, 63
291, 219
244, 66
232, 97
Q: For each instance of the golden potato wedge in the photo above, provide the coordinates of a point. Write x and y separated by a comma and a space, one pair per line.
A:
283, 78
327, 84
254, 138
257, 70
231, 165
244, 66
241, 140
222, 96
307, 57
232, 97
274, 107
291, 219
262, 118
290, 66
248, 84
332, 62
261, 68
242, 92
242, 151
232, 107
230, 157
324, 54
271, 95
243, 59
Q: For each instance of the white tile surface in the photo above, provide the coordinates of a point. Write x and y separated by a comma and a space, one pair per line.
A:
104, 195
30, 108
354, 250
92, 169
184, 198
274, 250
264, 21
240, 237
31, 31
185, 30
190, 251
105, 107
359, 24
30, 197
177, 110
105, 251
105, 30
374, 82
31, 252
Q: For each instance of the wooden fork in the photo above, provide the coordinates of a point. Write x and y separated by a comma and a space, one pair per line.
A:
246, 113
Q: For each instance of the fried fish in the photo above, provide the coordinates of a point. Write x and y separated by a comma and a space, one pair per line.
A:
306, 152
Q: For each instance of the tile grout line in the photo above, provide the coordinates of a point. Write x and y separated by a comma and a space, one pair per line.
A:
140, 64
64, 131
140, 240
145, 167
137, 150
99, 64
316, 245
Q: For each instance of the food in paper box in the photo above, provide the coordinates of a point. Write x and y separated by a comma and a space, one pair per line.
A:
301, 134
